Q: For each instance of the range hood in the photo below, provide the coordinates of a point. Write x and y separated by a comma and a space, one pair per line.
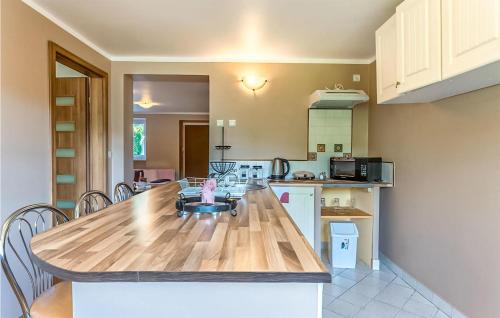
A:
337, 98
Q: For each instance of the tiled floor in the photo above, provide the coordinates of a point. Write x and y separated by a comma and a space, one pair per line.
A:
364, 293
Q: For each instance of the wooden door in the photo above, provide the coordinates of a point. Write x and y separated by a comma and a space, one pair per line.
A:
471, 35
419, 43
386, 39
196, 148
69, 134
98, 127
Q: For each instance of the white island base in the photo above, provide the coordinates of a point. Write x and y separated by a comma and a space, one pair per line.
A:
197, 300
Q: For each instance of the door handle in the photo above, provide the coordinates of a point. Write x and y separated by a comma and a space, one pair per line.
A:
398, 83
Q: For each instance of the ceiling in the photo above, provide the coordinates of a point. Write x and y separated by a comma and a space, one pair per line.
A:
173, 94
309, 31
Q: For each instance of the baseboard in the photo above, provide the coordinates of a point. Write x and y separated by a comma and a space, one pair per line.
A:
440, 303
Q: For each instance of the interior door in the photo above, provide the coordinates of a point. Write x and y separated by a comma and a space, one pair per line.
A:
471, 35
98, 127
69, 125
196, 148
419, 43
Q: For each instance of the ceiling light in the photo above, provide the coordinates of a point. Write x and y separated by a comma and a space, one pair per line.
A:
253, 82
146, 104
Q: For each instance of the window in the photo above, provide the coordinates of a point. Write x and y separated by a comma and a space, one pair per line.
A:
139, 129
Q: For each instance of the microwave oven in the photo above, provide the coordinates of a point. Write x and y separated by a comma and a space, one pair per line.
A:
367, 169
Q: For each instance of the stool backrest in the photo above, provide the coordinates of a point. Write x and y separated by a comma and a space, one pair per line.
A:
15, 253
122, 192
91, 202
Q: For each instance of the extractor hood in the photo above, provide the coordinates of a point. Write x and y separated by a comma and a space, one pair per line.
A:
337, 98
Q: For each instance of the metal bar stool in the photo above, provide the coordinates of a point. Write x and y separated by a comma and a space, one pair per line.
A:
123, 192
48, 300
91, 202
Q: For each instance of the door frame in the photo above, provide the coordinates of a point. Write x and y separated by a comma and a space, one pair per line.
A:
182, 159
63, 56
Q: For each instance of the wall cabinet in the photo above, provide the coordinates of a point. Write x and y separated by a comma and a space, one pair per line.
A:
300, 207
387, 80
471, 35
442, 47
418, 43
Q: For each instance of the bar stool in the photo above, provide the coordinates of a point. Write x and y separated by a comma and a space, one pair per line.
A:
48, 300
122, 192
91, 202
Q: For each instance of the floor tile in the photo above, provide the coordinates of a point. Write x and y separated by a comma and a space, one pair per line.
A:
331, 314
343, 308
333, 289
343, 282
376, 309
384, 275
405, 314
395, 295
401, 282
354, 275
369, 290
427, 310
327, 299
355, 298
441, 314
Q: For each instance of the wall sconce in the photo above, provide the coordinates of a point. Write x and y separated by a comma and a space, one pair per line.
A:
253, 82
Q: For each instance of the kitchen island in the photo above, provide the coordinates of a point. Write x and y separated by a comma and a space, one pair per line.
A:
137, 258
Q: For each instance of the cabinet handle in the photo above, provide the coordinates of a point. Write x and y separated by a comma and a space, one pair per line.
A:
397, 84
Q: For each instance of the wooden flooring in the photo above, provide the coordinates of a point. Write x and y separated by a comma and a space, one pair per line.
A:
142, 239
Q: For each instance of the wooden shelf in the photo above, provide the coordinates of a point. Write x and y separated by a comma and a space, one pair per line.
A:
344, 213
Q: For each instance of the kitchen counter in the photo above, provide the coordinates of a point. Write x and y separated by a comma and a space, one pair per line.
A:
138, 259
334, 183
143, 240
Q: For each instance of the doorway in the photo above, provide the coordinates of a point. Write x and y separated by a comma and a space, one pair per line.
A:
159, 106
79, 119
193, 148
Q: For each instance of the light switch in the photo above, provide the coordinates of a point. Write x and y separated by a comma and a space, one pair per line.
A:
356, 78
220, 122
232, 122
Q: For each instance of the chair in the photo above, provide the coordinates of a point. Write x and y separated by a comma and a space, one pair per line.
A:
48, 300
123, 192
90, 202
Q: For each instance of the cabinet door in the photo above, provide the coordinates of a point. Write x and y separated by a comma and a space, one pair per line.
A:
471, 34
301, 209
386, 39
419, 43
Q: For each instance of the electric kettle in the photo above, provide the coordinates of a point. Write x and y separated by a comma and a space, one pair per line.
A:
281, 167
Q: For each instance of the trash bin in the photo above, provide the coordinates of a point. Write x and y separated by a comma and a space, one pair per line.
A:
343, 244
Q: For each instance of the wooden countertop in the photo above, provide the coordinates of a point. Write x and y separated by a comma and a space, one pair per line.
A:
344, 213
143, 240
330, 183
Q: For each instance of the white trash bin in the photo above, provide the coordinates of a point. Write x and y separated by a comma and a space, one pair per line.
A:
343, 245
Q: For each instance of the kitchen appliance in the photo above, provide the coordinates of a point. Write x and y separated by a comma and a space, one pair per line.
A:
281, 168
244, 172
337, 98
303, 175
257, 172
368, 169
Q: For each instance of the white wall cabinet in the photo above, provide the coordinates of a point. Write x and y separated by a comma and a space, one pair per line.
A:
418, 43
443, 48
300, 207
471, 35
387, 80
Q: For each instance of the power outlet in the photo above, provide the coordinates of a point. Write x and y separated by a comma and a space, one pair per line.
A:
356, 78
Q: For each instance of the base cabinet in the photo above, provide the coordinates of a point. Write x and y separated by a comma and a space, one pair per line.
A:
299, 203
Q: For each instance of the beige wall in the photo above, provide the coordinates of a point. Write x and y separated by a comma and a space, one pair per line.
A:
25, 132
441, 221
162, 148
271, 123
